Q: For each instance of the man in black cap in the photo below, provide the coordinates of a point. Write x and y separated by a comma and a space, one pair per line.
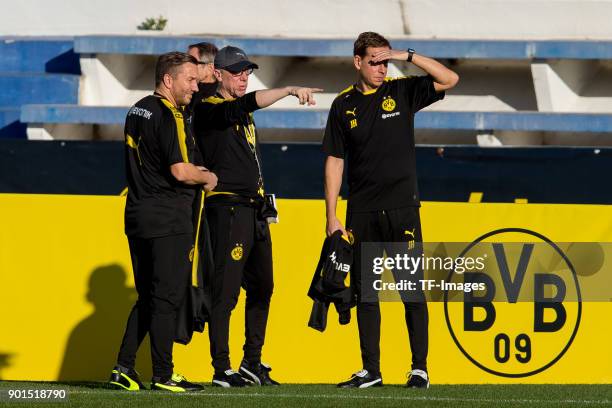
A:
236, 214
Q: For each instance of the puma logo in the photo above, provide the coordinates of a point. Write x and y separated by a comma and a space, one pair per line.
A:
411, 240
411, 233
348, 112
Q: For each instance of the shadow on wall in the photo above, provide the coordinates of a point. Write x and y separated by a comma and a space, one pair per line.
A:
66, 63
5, 361
91, 350
14, 130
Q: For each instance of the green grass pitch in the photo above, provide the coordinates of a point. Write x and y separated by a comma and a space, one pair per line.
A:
323, 395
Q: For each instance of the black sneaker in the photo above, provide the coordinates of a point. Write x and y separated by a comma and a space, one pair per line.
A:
418, 379
258, 374
229, 379
362, 379
126, 379
176, 383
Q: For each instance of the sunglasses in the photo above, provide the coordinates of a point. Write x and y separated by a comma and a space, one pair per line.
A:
247, 71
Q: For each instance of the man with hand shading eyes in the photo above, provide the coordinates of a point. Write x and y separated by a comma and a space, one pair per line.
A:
372, 123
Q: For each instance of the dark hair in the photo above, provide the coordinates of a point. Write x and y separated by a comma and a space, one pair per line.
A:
168, 64
369, 39
206, 51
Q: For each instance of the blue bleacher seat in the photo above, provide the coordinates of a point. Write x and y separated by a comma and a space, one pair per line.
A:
316, 119
35, 70
40, 55
23, 88
437, 48
54, 98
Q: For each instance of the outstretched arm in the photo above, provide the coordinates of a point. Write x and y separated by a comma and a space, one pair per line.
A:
267, 97
223, 112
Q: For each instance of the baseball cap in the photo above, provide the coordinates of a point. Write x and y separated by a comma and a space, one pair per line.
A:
233, 59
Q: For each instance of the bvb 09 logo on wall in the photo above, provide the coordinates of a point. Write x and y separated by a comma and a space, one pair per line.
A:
529, 315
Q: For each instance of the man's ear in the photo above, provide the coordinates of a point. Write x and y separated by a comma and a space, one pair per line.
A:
357, 62
168, 80
217, 74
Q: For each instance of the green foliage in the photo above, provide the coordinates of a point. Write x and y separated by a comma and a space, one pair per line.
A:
154, 24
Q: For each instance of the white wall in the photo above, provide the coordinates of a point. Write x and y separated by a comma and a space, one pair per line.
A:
316, 18
509, 19
249, 17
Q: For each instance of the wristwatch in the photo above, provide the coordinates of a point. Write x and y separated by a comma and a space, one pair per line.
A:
410, 54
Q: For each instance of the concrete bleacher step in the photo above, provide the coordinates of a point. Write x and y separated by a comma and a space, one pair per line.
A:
316, 119
496, 75
336, 47
42, 55
23, 88
507, 86
35, 70
75, 114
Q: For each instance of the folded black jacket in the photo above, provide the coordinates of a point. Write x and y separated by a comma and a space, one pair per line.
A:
194, 312
330, 283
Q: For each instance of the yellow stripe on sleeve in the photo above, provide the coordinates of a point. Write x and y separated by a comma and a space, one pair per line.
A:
180, 129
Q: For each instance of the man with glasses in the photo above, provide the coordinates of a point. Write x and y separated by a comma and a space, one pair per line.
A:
205, 53
236, 214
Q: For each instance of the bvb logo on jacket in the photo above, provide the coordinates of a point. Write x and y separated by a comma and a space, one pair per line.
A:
237, 252
388, 104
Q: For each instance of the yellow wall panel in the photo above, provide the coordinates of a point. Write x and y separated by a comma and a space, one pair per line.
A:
67, 288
